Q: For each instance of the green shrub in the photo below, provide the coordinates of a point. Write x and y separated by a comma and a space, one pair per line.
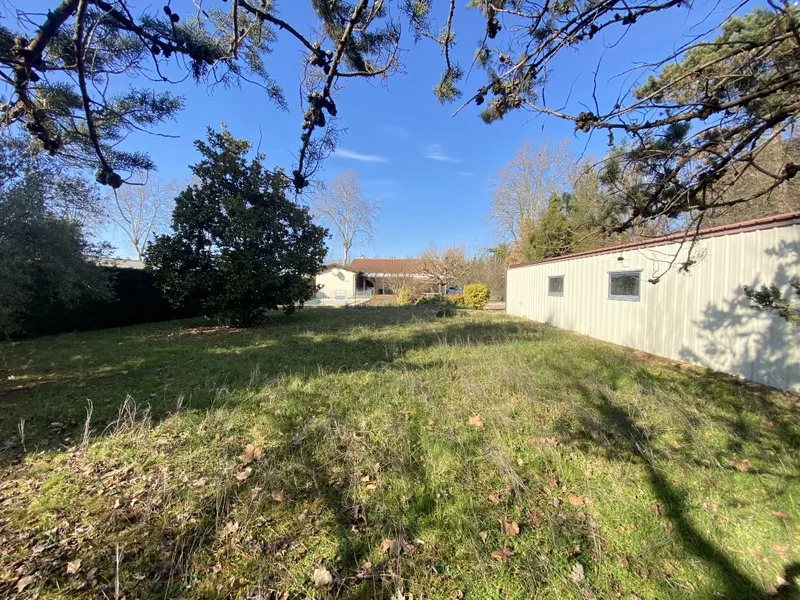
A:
476, 296
455, 299
404, 297
424, 300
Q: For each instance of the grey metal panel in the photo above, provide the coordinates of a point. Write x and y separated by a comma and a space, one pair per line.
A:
701, 317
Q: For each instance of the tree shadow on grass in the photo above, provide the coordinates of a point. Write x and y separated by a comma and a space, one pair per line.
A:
170, 559
161, 366
615, 431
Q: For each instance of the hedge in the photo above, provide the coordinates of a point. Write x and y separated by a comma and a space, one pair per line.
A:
136, 299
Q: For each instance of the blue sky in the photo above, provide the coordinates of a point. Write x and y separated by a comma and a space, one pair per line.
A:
428, 169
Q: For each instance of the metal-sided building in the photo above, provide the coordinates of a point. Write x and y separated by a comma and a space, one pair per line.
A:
701, 316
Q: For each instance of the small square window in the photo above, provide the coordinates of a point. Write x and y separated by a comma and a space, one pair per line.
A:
555, 286
624, 285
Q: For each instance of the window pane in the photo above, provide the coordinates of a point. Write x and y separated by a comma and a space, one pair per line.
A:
555, 285
624, 285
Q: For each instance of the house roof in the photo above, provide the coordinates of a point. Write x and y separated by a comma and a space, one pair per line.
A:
792, 218
387, 266
338, 266
121, 263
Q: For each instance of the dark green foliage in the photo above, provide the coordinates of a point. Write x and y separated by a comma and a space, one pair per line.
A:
131, 297
63, 69
771, 298
44, 272
552, 234
240, 246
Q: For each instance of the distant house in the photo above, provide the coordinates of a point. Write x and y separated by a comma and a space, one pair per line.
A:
339, 284
120, 263
701, 316
390, 275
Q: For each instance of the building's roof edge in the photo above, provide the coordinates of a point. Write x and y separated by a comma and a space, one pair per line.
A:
745, 226
338, 266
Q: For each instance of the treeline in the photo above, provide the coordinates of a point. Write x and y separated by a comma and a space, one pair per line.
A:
545, 203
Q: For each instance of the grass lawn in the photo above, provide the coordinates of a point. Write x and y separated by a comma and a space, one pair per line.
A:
392, 454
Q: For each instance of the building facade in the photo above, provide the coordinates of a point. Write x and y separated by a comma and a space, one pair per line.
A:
700, 316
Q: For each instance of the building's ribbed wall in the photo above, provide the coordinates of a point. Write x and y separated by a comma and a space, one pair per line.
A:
701, 317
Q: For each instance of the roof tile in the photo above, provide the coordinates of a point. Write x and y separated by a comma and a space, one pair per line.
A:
387, 266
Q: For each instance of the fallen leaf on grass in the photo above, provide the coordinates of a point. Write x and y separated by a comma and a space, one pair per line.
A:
398, 545
321, 577
230, 528
386, 545
73, 566
25, 582
654, 510
509, 528
476, 420
243, 475
781, 550
575, 500
741, 465
483, 535
501, 554
577, 574
251, 453
278, 496
496, 497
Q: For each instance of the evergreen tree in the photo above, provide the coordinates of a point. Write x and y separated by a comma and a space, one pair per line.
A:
44, 266
240, 246
550, 235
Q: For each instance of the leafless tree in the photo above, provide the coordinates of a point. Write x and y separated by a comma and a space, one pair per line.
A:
142, 211
346, 211
489, 270
521, 189
445, 266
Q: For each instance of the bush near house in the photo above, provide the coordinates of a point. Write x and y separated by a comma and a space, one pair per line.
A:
456, 299
476, 296
404, 297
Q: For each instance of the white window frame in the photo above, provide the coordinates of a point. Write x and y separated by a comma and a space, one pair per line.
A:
637, 298
555, 294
